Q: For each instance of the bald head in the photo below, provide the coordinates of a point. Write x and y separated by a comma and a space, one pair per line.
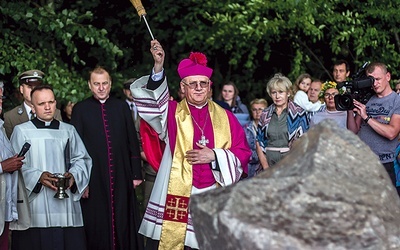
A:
315, 89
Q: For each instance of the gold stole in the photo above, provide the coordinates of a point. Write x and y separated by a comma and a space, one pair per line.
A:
176, 210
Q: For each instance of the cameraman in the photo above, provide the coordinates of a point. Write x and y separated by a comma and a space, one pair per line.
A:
379, 120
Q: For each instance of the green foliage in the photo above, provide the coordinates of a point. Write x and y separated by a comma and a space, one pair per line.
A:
245, 41
58, 42
248, 41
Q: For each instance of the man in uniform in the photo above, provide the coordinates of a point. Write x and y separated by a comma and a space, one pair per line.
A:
22, 113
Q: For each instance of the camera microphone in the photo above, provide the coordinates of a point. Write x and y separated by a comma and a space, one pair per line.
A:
364, 65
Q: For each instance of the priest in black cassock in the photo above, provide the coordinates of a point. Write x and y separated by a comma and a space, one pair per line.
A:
110, 212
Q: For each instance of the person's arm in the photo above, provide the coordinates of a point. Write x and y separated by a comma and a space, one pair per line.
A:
260, 137
227, 164
251, 140
30, 172
351, 122
261, 156
301, 99
143, 156
204, 155
8, 126
11, 164
390, 131
151, 92
157, 76
133, 146
81, 166
46, 179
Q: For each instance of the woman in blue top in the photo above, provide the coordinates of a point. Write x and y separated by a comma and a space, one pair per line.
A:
230, 95
250, 128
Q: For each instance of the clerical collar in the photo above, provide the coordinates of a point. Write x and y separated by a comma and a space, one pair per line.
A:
54, 124
101, 101
198, 107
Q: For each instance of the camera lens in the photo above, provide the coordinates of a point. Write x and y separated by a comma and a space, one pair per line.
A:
344, 102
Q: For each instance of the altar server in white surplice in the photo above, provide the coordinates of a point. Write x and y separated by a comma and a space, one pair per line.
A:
55, 148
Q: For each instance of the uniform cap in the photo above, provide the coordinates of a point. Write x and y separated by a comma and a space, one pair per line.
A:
32, 77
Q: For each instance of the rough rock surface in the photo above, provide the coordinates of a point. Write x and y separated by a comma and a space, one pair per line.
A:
329, 192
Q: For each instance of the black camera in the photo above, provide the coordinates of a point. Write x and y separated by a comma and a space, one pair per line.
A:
358, 88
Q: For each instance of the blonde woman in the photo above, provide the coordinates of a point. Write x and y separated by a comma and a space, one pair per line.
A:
280, 124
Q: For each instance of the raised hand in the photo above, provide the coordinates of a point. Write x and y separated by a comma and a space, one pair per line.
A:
158, 55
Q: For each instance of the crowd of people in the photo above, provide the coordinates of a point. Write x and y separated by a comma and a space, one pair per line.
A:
105, 147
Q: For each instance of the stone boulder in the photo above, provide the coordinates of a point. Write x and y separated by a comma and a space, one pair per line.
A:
329, 192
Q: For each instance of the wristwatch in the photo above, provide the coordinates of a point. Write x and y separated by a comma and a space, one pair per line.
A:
367, 119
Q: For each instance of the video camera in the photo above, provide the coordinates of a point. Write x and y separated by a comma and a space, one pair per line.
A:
358, 88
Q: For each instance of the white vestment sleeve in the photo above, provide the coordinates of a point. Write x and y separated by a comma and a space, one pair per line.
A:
152, 105
81, 164
31, 175
230, 168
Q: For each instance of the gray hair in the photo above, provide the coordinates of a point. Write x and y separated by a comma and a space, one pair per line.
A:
279, 82
2, 85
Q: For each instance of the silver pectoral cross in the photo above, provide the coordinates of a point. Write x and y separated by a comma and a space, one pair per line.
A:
203, 141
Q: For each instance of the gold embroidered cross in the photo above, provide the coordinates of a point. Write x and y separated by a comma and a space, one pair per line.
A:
176, 208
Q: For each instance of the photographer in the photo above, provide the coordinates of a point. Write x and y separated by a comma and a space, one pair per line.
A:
379, 120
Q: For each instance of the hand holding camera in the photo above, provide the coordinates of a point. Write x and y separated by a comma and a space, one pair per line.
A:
358, 88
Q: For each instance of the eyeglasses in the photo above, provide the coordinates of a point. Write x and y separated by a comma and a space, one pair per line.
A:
193, 85
327, 95
257, 110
